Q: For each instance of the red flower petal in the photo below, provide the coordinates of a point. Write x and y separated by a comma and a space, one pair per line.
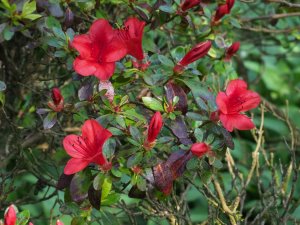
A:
83, 44
10, 216
115, 50
104, 71
222, 102
238, 121
236, 86
135, 27
95, 135
75, 165
250, 100
101, 32
85, 67
58, 222
75, 146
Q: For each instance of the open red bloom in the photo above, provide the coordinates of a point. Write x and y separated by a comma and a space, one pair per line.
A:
188, 4
232, 50
98, 51
197, 52
10, 216
200, 149
233, 102
132, 35
57, 103
87, 148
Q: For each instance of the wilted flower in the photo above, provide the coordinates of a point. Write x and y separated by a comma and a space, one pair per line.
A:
232, 50
98, 51
87, 148
199, 149
10, 216
236, 100
197, 52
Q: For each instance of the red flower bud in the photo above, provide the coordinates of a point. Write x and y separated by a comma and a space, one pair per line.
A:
136, 169
197, 52
56, 96
58, 222
232, 50
199, 149
222, 10
188, 4
10, 216
230, 4
154, 128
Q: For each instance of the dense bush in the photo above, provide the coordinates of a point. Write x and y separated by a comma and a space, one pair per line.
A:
149, 112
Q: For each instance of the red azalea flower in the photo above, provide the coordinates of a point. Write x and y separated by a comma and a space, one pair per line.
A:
233, 102
200, 149
98, 51
10, 216
132, 35
232, 50
87, 148
197, 52
57, 103
30, 223
188, 4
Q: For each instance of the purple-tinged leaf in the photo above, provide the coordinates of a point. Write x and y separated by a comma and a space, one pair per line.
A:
94, 197
64, 181
42, 111
86, 91
79, 186
50, 120
173, 90
179, 129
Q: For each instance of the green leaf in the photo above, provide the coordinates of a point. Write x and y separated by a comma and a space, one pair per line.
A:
28, 8
134, 159
8, 33
153, 104
165, 61
2, 86
23, 217
167, 9
141, 183
98, 181
32, 16
135, 133
106, 188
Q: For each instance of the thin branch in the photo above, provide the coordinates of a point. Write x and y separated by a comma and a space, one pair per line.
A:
270, 17
286, 3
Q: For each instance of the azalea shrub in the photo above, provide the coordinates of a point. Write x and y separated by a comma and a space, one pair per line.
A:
145, 112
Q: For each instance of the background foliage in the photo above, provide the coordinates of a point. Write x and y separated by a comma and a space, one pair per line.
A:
261, 173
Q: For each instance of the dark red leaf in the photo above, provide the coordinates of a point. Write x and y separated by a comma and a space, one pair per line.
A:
136, 193
173, 90
95, 197
64, 181
179, 129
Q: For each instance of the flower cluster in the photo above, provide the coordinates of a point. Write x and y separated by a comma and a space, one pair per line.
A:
102, 46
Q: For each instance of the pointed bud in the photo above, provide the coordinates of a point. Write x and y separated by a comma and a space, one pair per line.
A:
154, 128
197, 52
56, 96
230, 4
199, 149
10, 217
222, 10
188, 4
110, 91
232, 50
69, 17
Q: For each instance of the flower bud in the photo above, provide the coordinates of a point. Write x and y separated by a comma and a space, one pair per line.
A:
232, 50
154, 128
199, 149
222, 10
197, 52
56, 96
10, 217
188, 4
